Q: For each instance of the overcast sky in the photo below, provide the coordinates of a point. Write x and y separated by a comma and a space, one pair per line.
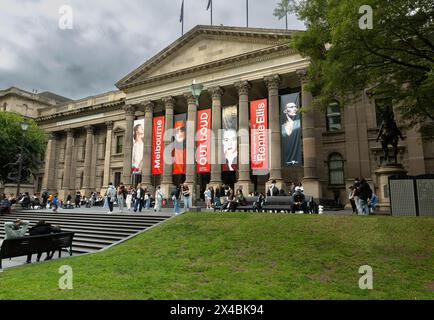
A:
109, 38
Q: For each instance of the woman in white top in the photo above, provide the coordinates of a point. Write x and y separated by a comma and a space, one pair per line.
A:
158, 199
138, 148
207, 194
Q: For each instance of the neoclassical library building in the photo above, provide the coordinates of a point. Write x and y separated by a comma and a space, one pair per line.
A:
219, 105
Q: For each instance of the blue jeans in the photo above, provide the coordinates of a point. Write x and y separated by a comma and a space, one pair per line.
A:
364, 208
176, 206
138, 204
187, 202
148, 204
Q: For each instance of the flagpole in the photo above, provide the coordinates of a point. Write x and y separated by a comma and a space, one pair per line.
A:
247, 12
211, 12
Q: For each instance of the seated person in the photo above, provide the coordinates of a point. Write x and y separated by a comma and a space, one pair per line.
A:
231, 203
257, 206
16, 230
54, 229
41, 228
298, 201
5, 205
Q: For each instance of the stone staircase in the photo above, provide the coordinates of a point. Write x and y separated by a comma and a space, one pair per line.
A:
93, 232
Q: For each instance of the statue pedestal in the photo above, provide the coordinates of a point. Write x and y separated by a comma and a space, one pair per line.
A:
383, 173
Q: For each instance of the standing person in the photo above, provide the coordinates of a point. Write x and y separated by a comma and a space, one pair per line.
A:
212, 196
140, 195
78, 199
176, 195
186, 196
111, 197
158, 199
365, 194
147, 198
217, 197
121, 196
356, 186
50, 201
55, 203
129, 198
44, 199
208, 198
352, 201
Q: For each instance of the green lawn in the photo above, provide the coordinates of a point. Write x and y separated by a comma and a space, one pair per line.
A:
248, 256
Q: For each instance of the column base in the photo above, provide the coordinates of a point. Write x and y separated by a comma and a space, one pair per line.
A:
246, 186
312, 187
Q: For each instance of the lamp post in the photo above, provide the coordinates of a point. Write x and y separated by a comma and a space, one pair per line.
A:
24, 127
196, 90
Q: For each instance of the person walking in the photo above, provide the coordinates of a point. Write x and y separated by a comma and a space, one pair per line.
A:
158, 199
129, 198
365, 195
121, 196
176, 195
78, 199
111, 197
138, 201
55, 203
208, 198
352, 201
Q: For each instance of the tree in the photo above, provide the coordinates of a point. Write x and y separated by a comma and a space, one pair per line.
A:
282, 10
394, 59
12, 138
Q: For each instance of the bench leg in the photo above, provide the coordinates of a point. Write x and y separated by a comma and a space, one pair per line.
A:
60, 253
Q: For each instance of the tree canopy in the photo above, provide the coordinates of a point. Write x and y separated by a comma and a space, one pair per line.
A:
394, 58
12, 138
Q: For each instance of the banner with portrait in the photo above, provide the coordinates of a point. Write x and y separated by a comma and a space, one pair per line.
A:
137, 157
203, 151
290, 120
158, 145
179, 151
230, 138
259, 137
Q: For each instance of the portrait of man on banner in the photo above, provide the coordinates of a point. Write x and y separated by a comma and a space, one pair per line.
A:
179, 144
138, 134
230, 138
290, 119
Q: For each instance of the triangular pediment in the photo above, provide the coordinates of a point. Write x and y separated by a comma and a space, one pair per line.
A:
205, 46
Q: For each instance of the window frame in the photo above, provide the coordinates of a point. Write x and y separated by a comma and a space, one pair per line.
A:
334, 170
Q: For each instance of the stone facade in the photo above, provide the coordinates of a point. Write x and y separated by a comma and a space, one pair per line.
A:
90, 143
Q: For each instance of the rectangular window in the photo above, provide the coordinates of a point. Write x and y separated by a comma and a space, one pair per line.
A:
119, 144
117, 178
334, 117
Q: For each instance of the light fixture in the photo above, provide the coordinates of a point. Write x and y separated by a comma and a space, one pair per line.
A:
196, 89
24, 126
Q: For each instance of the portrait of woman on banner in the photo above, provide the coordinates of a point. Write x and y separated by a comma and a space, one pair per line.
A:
291, 129
179, 147
138, 135
230, 138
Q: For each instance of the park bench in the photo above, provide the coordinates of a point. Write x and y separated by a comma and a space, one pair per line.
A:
250, 204
283, 203
24, 246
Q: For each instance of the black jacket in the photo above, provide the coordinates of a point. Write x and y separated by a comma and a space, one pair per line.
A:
298, 196
275, 192
365, 191
41, 229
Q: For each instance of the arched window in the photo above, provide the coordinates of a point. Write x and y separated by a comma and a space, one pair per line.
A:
336, 169
333, 116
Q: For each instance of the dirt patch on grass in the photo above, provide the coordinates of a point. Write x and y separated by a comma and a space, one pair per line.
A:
430, 287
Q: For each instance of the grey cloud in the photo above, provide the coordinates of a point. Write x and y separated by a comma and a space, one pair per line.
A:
110, 38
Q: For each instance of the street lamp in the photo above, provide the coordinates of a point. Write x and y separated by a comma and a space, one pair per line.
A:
24, 127
196, 90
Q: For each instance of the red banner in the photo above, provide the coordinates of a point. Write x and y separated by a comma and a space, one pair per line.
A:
158, 145
179, 153
259, 135
203, 152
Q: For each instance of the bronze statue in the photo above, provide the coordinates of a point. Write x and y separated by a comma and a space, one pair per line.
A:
389, 134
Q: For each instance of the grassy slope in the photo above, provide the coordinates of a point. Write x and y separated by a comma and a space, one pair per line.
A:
248, 256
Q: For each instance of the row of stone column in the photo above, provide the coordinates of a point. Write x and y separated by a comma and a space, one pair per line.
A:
244, 181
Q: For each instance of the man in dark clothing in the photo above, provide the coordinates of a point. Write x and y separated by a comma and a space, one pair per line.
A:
365, 194
39, 229
44, 199
273, 191
298, 201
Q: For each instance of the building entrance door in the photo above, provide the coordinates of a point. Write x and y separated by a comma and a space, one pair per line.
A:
229, 178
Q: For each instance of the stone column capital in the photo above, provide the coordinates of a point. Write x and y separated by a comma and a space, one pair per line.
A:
190, 98
89, 129
272, 82
243, 87
302, 75
52, 136
69, 133
130, 110
148, 106
109, 125
216, 93
169, 102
